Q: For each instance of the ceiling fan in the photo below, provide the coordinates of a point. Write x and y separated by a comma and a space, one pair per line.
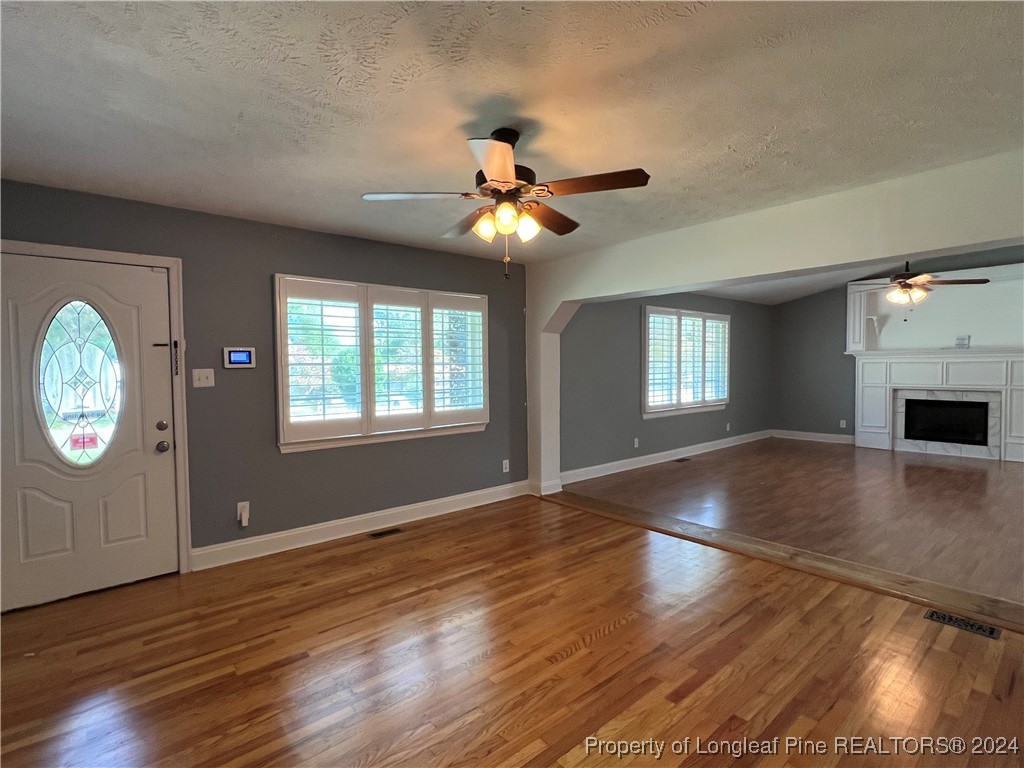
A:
508, 187
913, 287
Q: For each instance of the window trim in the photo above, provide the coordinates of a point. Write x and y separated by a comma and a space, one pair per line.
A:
449, 422
702, 405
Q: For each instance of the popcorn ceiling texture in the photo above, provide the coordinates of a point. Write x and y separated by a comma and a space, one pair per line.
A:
287, 112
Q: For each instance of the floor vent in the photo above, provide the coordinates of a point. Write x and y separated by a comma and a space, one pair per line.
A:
382, 534
961, 623
680, 461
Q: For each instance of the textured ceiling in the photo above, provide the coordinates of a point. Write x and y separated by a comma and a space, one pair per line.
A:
287, 112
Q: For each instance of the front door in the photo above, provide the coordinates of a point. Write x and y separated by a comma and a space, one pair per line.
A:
88, 497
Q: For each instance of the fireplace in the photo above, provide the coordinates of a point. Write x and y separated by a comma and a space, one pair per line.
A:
947, 421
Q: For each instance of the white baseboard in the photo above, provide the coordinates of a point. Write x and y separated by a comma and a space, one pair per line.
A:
873, 440
586, 473
817, 437
268, 544
1013, 452
552, 486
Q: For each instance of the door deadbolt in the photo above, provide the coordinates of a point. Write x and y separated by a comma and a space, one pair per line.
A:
161, 425
163, 446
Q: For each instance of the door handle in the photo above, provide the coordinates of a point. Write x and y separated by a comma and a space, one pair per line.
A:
161, 425
163, 446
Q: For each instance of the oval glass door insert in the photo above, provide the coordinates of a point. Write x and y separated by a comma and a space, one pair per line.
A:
79, 383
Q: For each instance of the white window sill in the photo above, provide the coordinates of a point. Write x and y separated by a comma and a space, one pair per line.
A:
299, 446
685, 409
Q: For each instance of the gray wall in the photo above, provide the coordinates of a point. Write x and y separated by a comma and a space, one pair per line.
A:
601, 381
814, 380
228, 297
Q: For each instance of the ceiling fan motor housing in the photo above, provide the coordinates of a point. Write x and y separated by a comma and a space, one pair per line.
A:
525, 177
508, 135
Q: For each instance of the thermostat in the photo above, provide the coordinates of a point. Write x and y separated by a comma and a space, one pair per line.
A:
239, 357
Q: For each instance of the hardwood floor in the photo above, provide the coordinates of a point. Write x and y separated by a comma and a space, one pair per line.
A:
955, 522
505, 635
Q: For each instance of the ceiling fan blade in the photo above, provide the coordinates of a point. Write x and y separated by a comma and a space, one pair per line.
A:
550, 219
466, 223
388, 196
495, 159
977, 281
919, 279
599, 182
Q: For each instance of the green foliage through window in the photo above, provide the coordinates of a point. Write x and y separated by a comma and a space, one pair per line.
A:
79, 383
324, 364
362, 360
458, 359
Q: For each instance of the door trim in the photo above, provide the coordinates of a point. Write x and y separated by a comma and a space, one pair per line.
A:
177, 319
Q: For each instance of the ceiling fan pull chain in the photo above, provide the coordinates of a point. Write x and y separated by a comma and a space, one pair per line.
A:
507, 259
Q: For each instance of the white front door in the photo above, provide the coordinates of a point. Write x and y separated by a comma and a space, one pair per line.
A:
88, 497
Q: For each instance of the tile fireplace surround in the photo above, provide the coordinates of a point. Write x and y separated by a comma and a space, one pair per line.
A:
995, 422
885, 380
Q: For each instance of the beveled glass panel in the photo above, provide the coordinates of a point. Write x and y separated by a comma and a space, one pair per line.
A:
79, 383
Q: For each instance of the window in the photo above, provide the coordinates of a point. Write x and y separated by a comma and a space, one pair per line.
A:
79, 383
686, 361
365, 363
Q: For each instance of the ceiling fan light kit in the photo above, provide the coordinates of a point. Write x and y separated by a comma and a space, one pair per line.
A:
507, 184
906, 295
485, 228
506, 218
528, 227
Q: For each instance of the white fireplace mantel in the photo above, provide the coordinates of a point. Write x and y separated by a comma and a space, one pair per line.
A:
882, 376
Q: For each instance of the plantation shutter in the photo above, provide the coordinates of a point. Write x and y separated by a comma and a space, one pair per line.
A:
459, 330
397, 346
322, 345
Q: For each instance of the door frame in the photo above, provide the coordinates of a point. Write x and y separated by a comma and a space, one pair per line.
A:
177, 329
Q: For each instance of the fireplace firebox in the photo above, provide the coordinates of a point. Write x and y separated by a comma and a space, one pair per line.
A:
947, 421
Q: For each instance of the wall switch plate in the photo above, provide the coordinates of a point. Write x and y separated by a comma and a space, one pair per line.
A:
504, 466
842, 423
202, 377
243, 513
636, 442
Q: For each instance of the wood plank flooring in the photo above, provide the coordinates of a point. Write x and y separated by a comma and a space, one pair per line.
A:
504, 635
1002, 613
943, 519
